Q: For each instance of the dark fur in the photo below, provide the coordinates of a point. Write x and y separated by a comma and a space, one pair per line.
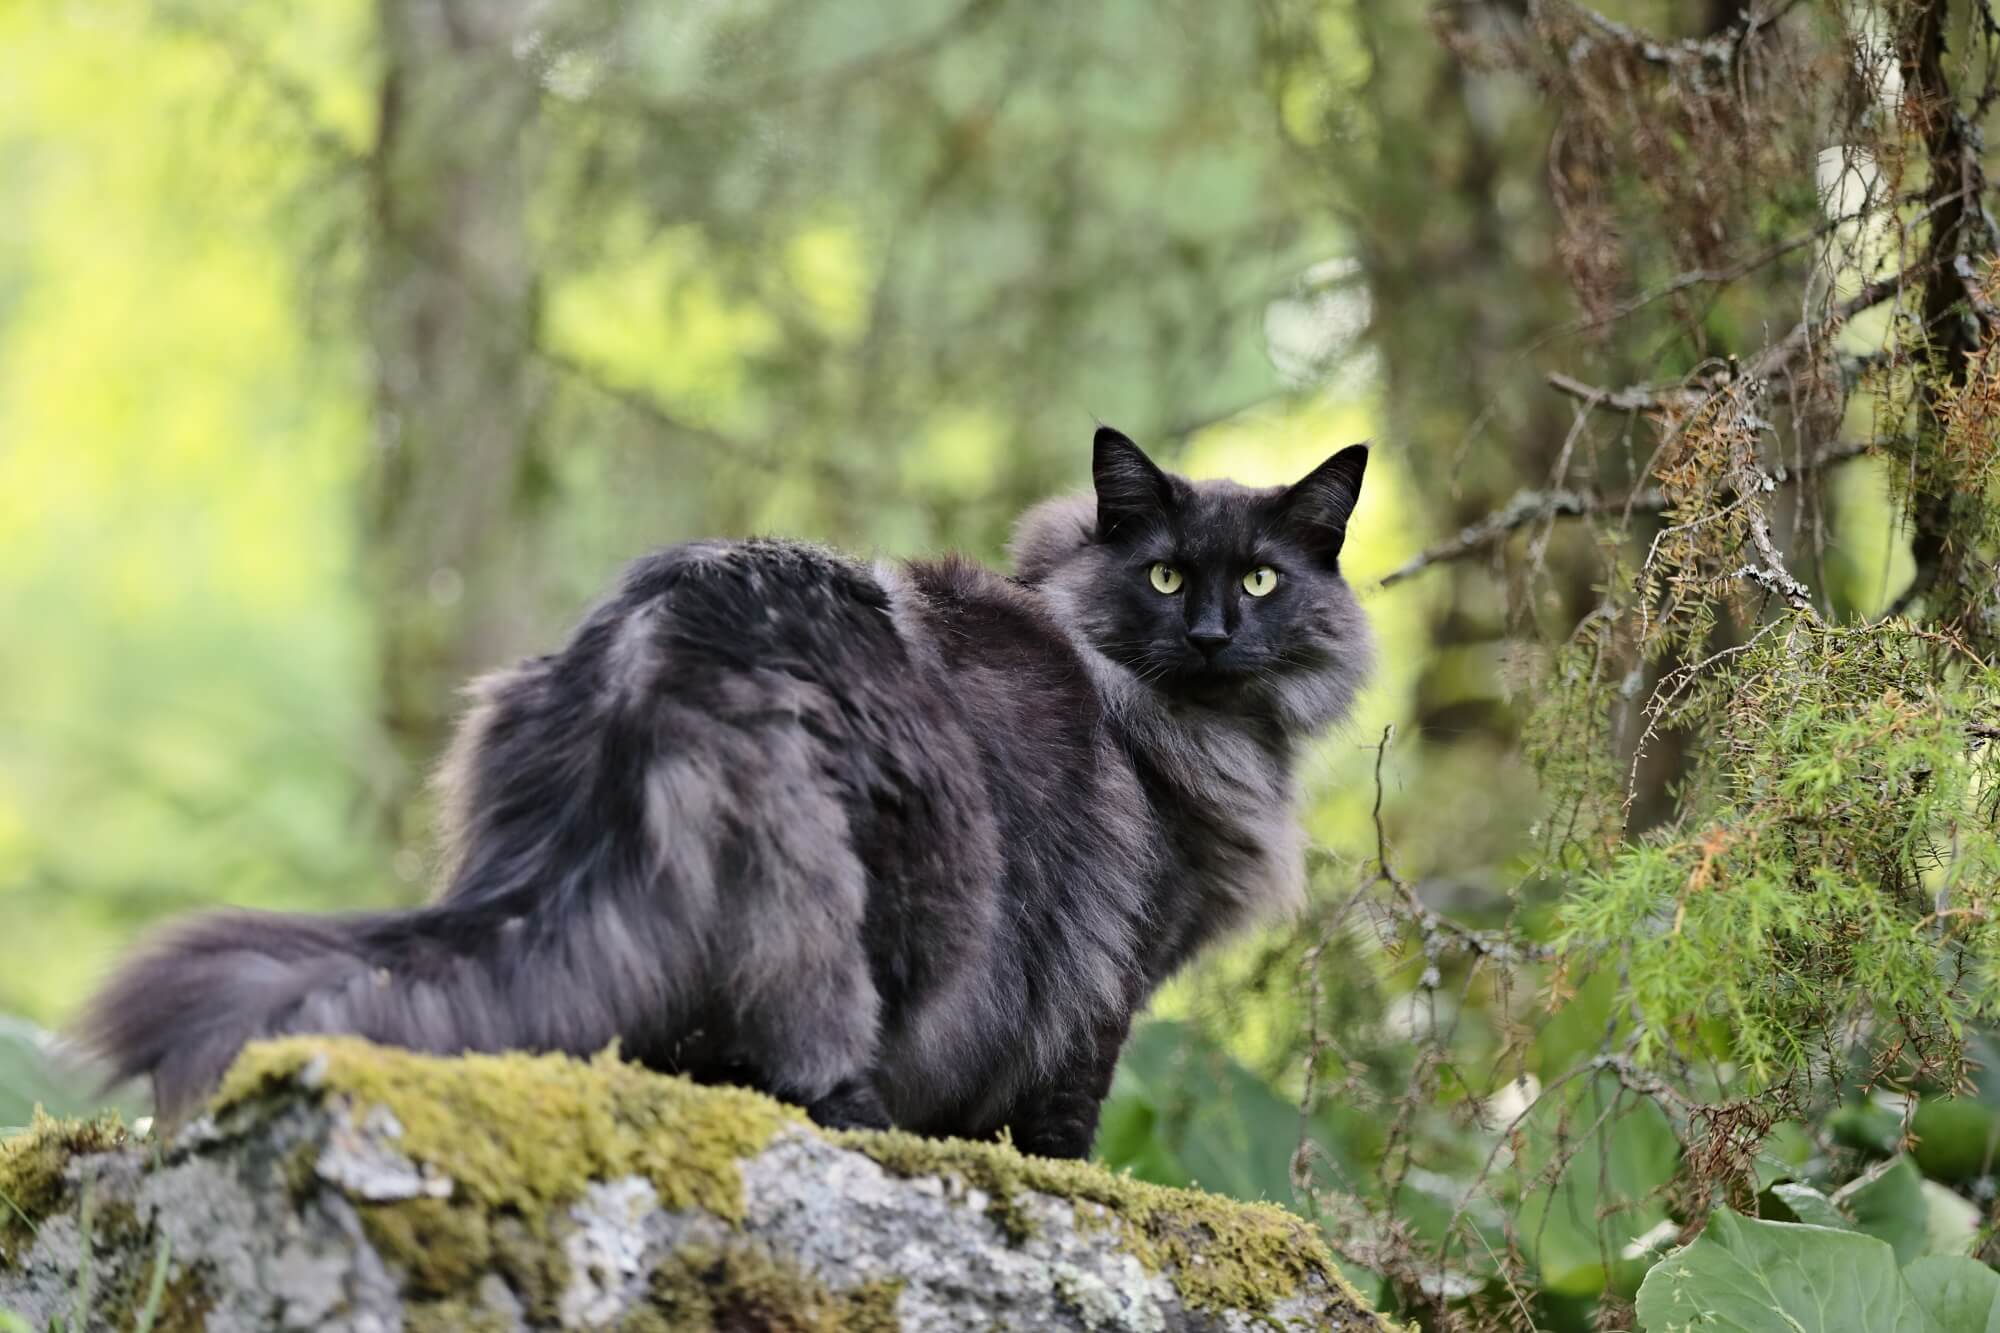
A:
902, 844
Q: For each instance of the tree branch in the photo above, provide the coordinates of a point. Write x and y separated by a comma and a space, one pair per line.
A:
1532, 506
1631, 398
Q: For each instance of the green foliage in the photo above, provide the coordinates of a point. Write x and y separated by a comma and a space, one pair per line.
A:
1836, 861
1956, 1138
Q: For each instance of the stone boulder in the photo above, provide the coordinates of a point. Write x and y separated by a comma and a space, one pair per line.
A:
340, 1186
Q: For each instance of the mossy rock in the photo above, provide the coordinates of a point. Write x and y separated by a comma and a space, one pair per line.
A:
333, 1183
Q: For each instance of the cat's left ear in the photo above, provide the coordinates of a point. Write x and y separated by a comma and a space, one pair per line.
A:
1317, 508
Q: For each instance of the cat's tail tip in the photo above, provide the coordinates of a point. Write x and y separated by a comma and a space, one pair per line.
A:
182, 1008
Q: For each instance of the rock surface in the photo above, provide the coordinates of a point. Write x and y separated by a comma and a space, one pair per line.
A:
339, 1186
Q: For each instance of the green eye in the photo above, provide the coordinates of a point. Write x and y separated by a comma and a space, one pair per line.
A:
1260, 581
1165, 578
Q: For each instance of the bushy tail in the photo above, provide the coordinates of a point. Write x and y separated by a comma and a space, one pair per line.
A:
181, 1009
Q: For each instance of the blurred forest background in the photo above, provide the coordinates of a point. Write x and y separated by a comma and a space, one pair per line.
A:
348, 347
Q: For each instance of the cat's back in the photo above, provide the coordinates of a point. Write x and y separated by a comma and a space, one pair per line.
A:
767, 604
760, 604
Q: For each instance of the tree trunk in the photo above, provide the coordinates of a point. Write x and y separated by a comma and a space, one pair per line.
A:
452, 311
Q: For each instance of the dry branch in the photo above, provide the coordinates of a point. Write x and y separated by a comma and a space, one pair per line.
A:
1533, 506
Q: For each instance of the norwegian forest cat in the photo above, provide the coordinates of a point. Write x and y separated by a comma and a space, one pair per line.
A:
905, 844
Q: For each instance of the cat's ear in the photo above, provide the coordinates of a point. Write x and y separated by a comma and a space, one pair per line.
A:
1131, 490
1317, 508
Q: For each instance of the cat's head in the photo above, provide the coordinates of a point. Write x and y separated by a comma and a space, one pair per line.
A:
1222, 595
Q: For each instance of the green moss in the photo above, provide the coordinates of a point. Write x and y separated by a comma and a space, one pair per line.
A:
528, 1133
184, 1305
998, 1169
452, 1317
31, 1171
1219, 1253
744, 1287
115, 1224
521, 1137
442, 1246
534, 1267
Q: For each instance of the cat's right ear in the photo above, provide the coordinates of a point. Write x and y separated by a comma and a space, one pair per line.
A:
1131, 490
1317, 508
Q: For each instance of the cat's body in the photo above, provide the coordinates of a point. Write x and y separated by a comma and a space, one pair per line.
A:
904, 844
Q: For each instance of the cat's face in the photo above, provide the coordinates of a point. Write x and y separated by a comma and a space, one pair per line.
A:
1219, 594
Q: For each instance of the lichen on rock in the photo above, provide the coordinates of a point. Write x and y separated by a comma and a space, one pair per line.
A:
338, 1185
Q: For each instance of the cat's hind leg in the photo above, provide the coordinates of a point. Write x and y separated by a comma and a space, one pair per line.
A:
790, 958
805, 1020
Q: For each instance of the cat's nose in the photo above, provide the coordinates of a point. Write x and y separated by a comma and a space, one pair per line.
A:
1208, 642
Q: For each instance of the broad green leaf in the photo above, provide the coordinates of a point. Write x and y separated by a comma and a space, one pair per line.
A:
1892, 1207
1962, 1295
1929, 1219
1238, 1137
1128, 1139
1615, 1154
1747, 1276
1126, 1126
1808, 1205
1181, 1111
1577, 1030
1956, 1137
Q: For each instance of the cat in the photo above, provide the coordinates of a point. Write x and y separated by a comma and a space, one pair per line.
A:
907, 845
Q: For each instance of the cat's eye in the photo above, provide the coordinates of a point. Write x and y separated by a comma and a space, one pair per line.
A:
1260, 581
1165, 578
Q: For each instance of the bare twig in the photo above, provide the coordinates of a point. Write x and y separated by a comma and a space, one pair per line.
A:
1718, 50
1697, 277
1632, 398
1440, 934
1779, 356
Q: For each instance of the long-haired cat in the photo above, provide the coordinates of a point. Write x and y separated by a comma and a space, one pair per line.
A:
905, 844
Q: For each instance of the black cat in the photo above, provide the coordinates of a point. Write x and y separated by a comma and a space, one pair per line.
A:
906, 844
